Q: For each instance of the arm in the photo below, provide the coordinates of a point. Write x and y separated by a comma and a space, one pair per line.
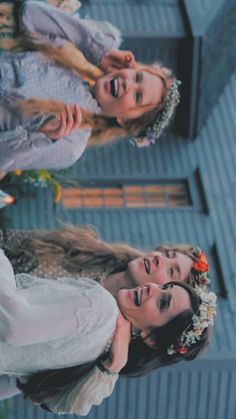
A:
89, 391
97, 384
50, 21
37, 151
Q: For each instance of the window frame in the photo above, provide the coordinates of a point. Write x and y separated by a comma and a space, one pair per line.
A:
103, 183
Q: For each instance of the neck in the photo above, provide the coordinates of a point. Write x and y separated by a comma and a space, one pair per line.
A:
115, 282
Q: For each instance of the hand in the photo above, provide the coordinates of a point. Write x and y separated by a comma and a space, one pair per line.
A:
117, 59
118, 354
69, 120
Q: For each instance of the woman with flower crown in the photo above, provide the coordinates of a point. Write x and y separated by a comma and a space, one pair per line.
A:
55, 336
54, 101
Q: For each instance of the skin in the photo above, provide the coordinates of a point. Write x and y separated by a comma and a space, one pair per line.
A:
117, 59
69, 120
138, 92
164, 267
157, 306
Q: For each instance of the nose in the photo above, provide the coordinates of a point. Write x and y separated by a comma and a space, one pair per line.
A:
163, 260
126, 85
156, 259
154, 289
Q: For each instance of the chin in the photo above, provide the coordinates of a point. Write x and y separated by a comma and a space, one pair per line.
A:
96, 90
121, 298
134, 271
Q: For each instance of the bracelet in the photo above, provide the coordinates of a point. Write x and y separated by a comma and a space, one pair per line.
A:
105, 370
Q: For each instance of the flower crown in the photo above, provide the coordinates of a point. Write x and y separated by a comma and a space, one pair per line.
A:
155, 130
200, 321
199, 272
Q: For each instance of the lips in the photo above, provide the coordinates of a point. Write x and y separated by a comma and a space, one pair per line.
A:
147, 265
138, 296
114, 87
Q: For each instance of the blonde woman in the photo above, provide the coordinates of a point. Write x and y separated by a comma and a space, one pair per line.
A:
75, 251
54, 101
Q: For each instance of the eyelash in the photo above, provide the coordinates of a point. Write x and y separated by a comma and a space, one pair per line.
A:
162, 303
138, 97
138, 77
167, 286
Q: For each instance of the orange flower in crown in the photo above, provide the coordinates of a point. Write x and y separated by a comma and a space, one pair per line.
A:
201, 264
199, 271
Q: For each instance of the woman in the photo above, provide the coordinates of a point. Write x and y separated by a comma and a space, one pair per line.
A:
75, 252
65, 328
53, 100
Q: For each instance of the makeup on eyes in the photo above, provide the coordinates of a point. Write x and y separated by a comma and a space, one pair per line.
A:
164, 302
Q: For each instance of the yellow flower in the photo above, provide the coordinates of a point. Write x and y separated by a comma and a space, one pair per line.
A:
44, 175
18, 172
58, 192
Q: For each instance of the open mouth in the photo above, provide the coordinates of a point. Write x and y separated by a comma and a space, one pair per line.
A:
138, 297
114, 87
147, 265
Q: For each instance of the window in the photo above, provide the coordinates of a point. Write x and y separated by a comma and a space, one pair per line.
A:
165, 194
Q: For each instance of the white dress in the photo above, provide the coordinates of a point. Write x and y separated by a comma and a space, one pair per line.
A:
54, 325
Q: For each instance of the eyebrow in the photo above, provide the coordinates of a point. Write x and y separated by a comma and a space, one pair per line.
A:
177, 268
168, 298
141, 92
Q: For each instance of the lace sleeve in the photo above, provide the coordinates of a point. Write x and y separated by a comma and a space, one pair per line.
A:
89, 391
94, 39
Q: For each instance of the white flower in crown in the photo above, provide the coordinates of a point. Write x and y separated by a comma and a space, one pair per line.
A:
200, 321
155, 130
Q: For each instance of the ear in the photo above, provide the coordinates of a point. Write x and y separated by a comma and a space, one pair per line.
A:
121, 122
148, 339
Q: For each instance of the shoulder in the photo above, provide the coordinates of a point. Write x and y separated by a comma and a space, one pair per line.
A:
98, 293
103, 303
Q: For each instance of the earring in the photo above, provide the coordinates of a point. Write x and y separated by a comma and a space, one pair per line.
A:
149, 341
134, 333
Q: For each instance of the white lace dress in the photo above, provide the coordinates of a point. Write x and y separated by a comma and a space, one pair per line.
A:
55, 325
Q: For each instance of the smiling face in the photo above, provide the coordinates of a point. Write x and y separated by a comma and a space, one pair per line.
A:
128, 93
160, 267
152, 305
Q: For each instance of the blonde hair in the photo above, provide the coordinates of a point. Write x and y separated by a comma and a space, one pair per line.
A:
103, 129
75, 248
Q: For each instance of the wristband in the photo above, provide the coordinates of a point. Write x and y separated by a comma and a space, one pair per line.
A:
105, 370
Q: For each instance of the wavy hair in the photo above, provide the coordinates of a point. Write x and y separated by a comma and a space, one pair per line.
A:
75, 248
103, 129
